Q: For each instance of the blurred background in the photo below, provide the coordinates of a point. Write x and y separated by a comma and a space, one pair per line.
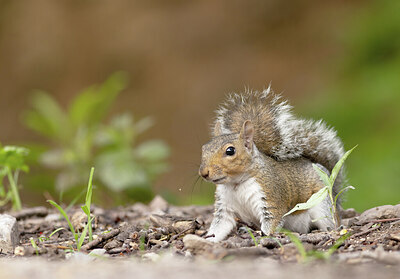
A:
130, 87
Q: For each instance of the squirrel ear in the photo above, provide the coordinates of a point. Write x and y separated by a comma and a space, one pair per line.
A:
217, 129
247, 134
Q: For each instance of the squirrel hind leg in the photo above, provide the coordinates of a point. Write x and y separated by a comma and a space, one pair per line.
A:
299, 222
318, 217
321, 216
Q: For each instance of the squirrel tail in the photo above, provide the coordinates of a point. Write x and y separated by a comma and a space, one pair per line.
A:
278, 133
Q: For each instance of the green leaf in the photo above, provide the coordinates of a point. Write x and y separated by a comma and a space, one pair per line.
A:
89, 191
297, 242
324, 176
47, 117
13, 157
339, 165
55, 231
118, 170
91, 106
83, 234
153, 150
64, 214
315, 199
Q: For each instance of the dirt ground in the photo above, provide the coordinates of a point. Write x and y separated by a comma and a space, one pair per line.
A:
161, 239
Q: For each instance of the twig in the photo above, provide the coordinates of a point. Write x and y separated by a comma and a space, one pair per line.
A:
366, 231
181, 233
208, 236
100, 239
385, 220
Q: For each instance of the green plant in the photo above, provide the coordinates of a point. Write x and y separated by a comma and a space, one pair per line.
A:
252, 237
79, 238
88, 201
256, 243
46, 238
12, 160
79, 139
34, 245
306, 256
329, 181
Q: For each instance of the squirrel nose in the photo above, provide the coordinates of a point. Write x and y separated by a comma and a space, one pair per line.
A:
204, 172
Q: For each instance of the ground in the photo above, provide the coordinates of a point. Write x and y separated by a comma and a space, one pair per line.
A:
161, 239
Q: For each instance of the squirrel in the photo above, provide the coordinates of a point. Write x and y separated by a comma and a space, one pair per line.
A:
260, 157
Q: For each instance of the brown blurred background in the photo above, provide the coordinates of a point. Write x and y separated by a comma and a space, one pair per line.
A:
181, 57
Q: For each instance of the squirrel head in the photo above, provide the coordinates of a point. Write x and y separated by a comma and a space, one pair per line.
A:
226, 159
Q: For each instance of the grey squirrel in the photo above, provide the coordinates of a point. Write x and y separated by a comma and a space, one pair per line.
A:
260, 157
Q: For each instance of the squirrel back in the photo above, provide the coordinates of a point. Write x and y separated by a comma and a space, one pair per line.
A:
277, 133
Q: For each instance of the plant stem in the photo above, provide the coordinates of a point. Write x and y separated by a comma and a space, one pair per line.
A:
334, 213
14, 190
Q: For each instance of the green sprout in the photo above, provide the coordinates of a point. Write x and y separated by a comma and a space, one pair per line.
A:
34, 245
79, 238
307, 256
319, 196
12, 160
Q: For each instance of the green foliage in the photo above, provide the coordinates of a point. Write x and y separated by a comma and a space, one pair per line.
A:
65, 215
34, 245
318, 197
80, 238
307, 256
363, 102
88, 201
79, 139
12, 160
252, 237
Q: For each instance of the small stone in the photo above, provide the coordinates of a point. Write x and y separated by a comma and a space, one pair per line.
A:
196, 244
134, 245
200, 232
97, 252
19, 251
113, 244
184, 226
348, 213
380, 212
158, 205
153, 257
9, 236
155, 242
79, 220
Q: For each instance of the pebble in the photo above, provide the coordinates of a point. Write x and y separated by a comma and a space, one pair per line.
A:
9, 236
153, 257
97, 252
158, 205
380, 212
196, 244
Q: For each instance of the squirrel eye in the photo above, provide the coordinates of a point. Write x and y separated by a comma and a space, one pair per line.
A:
230, 151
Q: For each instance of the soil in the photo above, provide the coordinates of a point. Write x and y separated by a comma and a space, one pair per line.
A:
171, 235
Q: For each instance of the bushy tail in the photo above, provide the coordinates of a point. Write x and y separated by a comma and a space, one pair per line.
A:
278, 133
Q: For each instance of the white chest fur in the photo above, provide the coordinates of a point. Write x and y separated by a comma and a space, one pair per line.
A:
245, 200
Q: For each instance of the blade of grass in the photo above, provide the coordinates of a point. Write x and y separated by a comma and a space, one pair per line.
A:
63, 213
252, 237
15, 196
34, 245
339, 165
296, 241
88, 200
83, 235
55, 231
